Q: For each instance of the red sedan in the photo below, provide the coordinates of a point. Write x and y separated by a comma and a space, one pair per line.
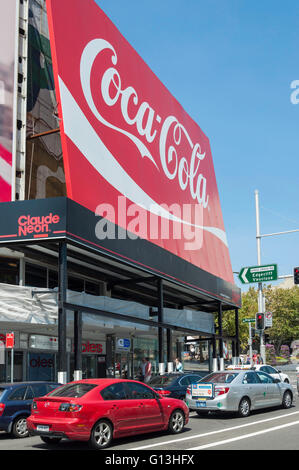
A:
98, 410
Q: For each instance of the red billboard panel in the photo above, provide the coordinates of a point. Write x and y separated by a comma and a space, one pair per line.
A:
132, 155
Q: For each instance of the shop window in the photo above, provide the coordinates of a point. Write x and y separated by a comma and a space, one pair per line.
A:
41, 367
35, 275
17, 366
9, 271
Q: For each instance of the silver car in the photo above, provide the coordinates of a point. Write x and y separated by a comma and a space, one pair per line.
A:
239, 391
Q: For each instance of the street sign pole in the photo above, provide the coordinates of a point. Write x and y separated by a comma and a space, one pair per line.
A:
250, 344
260, 285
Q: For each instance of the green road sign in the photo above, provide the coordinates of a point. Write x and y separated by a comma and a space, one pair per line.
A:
248, 320
258, 273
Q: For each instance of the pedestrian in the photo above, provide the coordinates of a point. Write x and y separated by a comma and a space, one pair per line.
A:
142, 368
178, 365
259, 359
147, 370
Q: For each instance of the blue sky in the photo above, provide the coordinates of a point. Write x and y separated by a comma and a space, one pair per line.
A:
230, 63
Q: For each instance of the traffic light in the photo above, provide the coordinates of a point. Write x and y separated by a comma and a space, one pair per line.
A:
260, 321
296, 275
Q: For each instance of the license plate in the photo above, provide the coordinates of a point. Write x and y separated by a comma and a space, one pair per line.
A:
201, 404
42, 428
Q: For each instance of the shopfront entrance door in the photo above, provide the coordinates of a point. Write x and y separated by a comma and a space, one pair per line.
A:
89, 366
124, 365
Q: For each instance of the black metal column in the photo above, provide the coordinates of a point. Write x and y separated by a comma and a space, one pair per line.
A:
160, 330
62, 287
78, 345
220, 332
169, 350
214, 354
237, 351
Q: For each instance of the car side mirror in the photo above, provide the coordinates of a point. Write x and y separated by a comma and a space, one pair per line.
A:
279, 371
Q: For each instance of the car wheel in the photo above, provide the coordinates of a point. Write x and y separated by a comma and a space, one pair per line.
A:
19, 427
244, 408
287, 400
101, 435
176, 422
50, 440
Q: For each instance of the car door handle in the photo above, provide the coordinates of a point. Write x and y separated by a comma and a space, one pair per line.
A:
141, 405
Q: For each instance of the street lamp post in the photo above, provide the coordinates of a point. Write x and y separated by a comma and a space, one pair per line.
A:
261, 305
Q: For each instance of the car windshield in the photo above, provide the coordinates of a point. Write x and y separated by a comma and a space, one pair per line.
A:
219, 378
160, 380
72, 390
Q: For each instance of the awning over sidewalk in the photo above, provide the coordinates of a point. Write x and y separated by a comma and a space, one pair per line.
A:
127, 265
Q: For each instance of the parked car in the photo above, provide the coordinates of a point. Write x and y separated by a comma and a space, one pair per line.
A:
238, 391
174, 385
15, 404
98, 410
275, 373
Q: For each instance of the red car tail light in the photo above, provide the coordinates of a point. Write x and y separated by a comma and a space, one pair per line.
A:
165, 393
221, 391
2, 406
189, 390
72, 407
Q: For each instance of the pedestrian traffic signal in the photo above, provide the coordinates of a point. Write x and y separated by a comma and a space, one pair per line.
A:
296, 275
260, 321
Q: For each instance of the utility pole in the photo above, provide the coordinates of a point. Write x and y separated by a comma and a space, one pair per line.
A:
261, 305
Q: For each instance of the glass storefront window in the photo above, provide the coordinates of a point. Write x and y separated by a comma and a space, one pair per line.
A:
17, 366
41, 366
145, 347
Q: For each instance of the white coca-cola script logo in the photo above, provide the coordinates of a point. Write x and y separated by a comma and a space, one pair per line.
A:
88, 141
111, 88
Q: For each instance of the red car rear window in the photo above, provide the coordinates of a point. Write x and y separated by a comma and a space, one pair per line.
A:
72, 390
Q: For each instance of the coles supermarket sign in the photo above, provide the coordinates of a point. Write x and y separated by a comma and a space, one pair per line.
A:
132, 155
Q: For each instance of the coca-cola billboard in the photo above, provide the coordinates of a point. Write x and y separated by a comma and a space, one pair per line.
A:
132, 155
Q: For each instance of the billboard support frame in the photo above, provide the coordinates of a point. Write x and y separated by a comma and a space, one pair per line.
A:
20, 101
